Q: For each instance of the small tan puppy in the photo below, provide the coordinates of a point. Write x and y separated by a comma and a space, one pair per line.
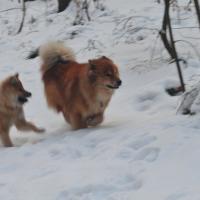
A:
12, 98
81, 91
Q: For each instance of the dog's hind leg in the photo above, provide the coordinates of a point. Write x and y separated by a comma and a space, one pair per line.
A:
6, 139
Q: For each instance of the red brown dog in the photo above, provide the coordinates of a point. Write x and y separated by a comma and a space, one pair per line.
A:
81, 91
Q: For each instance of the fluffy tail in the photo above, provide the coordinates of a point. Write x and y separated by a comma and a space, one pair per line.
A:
33, 54
52, 53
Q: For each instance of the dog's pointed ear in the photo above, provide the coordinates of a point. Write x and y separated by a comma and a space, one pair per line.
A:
92, 71
92, 65
106, 58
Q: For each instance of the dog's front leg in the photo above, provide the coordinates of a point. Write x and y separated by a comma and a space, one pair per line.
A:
6, 139
95, 119
77, 121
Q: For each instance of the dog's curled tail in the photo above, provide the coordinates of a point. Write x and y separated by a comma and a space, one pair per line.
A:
33, 54
52, 53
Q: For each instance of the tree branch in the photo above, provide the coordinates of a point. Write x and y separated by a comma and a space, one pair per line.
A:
23, 16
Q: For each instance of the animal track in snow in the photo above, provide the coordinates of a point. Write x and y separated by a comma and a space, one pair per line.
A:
57, 153
2, 185
130, 182
147, 100
141, 142
149, 154
102, 190
176, 196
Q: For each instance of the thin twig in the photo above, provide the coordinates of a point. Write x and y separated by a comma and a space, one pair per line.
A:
193, 47
23, 16
9, 9
86, 8
154, 49
189, 27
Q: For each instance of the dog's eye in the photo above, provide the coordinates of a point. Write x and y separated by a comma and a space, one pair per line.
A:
108, 74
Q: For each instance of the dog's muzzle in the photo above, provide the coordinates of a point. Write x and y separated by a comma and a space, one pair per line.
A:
24, 98
116, 85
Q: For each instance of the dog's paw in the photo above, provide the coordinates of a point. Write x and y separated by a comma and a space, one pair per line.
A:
94, 120
89, 120
40, 130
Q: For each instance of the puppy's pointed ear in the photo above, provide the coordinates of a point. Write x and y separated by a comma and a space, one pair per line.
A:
13, 80
92, 65
16, 75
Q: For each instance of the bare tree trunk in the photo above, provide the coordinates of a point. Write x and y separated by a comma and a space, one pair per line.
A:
63, 4
163, 32
170, 44
196, 3
23, 16
174, 50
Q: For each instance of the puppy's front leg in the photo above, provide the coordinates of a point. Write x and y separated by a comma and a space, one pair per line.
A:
24, 125
6, 139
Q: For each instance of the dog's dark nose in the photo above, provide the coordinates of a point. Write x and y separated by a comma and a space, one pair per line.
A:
28, 94
119, 82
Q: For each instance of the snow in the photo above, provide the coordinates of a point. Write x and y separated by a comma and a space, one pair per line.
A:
143, 149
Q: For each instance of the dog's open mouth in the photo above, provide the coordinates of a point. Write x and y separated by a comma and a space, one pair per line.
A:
112, 87
22, 99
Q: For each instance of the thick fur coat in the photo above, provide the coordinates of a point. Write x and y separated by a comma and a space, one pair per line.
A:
81, 91
12, 97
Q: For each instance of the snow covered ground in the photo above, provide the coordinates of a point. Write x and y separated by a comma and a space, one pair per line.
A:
143, 150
